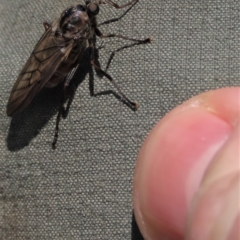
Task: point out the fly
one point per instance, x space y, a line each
58 53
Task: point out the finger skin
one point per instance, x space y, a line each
174 159
216 205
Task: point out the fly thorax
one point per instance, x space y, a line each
75 23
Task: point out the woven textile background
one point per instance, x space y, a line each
82 190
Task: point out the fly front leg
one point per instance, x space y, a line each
133 105
119 6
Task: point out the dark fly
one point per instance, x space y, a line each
58 53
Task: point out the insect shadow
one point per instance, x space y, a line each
27 125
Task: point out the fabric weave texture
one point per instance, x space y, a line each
82 190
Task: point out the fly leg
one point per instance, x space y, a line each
118 50
66 84
136 41
144 41
133 105
119 6
61 108
118 18
62 112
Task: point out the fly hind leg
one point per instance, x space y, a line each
133 105
62 112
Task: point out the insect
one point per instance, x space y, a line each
58 53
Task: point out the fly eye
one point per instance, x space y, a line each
93 8
67 12
81 8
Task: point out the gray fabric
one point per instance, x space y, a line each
82 190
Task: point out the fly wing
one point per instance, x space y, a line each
47 55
